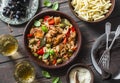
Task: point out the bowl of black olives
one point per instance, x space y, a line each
17 12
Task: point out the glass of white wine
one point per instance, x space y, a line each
8 45
24 72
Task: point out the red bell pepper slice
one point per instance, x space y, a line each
51 22
68 33
46 18
73 29
40 51
54 61
29 35
65 40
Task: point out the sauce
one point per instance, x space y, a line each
83 75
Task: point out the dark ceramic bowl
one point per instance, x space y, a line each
82 66
114 69
106 15
51 13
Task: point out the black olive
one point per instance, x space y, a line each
15 9
17 17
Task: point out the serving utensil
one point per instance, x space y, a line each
76 77
106 53
105 58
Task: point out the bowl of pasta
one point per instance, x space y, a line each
92 10
52 39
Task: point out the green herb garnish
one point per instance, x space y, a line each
44 28
37 23
46 55
47 3
56 80
42 42
46 74
51 52
55 6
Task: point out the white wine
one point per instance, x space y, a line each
24 72
8 45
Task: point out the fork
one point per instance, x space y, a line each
107 32
105 58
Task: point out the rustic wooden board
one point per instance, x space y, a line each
6 73
90 32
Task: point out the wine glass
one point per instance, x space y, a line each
24 72
8 45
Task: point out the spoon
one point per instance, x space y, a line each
76 77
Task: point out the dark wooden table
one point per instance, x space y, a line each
89 34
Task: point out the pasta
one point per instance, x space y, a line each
91 10
53 41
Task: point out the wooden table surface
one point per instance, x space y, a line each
90 32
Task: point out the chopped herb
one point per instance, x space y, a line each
59 81
42 42
47 3
44 28
46 74
46 55
51 52
37 23
55 6
56 80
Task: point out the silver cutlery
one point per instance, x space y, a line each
105 58
76 77
106 52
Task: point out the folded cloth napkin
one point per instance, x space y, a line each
114 58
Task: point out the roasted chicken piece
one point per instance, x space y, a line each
52 32
59 30
58 39
39 34
72 36
57 20
49 40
